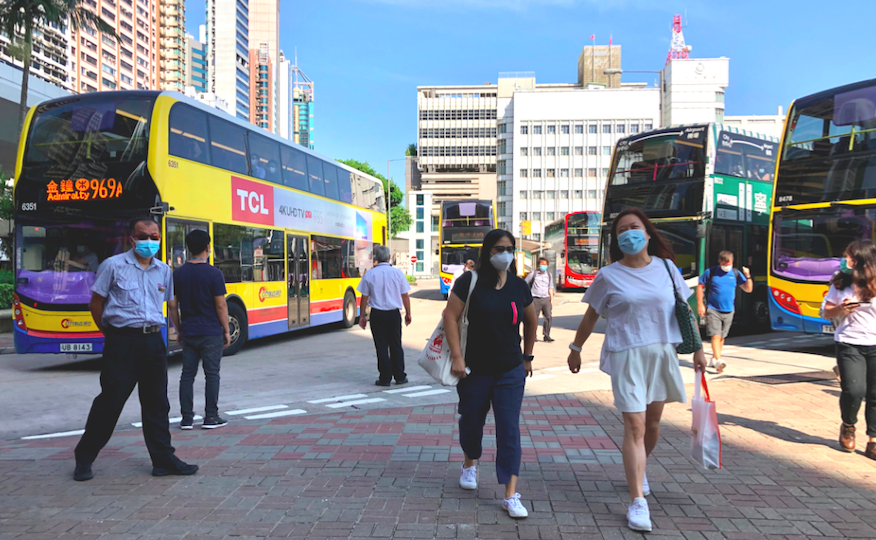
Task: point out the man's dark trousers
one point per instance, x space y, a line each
195 349
543 306
131 358
386 329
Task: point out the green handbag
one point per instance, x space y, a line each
690 334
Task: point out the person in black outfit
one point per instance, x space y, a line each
200 293
493 368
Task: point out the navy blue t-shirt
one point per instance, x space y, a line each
196 286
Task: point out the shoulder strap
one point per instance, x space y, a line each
672 281
474 280
709 281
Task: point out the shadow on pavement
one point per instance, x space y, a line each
427 294
776 430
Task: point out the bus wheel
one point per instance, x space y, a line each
349 309
238 327
760 314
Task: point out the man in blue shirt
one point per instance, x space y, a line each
720 283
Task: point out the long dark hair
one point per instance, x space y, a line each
863 275
488 276
657 246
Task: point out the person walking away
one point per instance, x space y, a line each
492 368
635 293
467 267
200 293
385 288
127 302
542 285
849 299
716 302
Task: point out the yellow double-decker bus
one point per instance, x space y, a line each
825 197
464 223
292 230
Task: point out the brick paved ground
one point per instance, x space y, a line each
393 474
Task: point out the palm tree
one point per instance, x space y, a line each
21 16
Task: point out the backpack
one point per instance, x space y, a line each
712 271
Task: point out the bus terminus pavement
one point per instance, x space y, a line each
707 188
575 239
292 231
825 197
464 223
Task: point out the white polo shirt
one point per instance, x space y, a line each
384 286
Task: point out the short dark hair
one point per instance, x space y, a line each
132 225
545 259
197 241
725 256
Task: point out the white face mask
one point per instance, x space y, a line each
502 261
727 268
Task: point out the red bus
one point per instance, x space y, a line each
575 238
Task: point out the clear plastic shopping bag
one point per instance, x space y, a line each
705 444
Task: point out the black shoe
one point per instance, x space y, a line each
549 339
378 382
403 381
82 472
213 422
179 468
187 423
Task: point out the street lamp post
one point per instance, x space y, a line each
620 71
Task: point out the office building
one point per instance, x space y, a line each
693 90
196 63
261 76
49 56
768 124
423 236
593 63
302 115
171 45
284 97
228 53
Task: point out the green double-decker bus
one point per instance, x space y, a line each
707 188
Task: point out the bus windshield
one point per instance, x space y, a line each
808 245
456 256
582 242
830 148
663 156
84 130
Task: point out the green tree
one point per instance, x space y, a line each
7 205
412 150
19 17
400 218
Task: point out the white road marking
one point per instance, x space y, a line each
558 368
411 389
53 435
255 410
351 403
276 414
540 377
338 398
428 393
171 420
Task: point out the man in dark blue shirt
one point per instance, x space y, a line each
200 293
720 283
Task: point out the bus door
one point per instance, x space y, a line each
728 237
299 281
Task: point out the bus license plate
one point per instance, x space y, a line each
75 347
827 329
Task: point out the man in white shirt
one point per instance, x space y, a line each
469 266
386 288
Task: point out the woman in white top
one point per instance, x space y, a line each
635 293
848 302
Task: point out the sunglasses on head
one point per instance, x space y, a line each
144 236
503 249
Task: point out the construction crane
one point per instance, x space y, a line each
677 49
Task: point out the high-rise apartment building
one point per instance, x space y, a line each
49 54
196 63
228 53
302 115
264 36
171 45
261 76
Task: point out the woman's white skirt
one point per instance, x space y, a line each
645 375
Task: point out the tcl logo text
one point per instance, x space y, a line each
251 201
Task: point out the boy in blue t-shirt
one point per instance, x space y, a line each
721 283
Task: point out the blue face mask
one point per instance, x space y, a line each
146 248
844 266
543 268
632 241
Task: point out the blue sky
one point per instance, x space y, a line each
368 56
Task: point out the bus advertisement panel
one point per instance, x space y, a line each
825 198
292 231
464 223
575 239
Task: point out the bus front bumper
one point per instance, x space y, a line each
35 342
784 320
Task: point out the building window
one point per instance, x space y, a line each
564 150
551 151
579 194
634 128
420 243
649 127
591 128
564 194
536 151
605 172
536 173
591 150
552 130
550 216
606 128
719 116
420 267
420 254
719 97
536 194
579 150
536 130
550 173
524 216
420 213
524 173
536 216
420 199
435 221
524 151
523 194
591 193
550 194
501 208
591 173
564 130
564 173
621 128
579 129
524 130
579 173
420 227
606 150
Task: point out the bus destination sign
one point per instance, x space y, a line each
83 190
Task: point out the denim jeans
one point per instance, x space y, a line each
209 350
857 365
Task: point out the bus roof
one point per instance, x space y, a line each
715 125
831 91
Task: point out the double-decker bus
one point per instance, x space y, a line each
825 197
292 230
575 239
707 188
464 223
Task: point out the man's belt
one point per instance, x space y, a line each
134 330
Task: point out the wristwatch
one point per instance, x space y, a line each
528 357
575 347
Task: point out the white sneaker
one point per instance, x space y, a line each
720 366
646 488
712 362
514 507
638 516
469 477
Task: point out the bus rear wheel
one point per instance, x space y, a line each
238 327
349 309
760 313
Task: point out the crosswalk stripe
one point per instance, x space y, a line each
428 393
276 414
351 403
53 435
540 377
338 398
411 389
255 410
176 420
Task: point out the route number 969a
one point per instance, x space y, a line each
28 207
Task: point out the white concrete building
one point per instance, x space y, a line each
423 237
285 121
210 99
228 49
693 90
768 124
